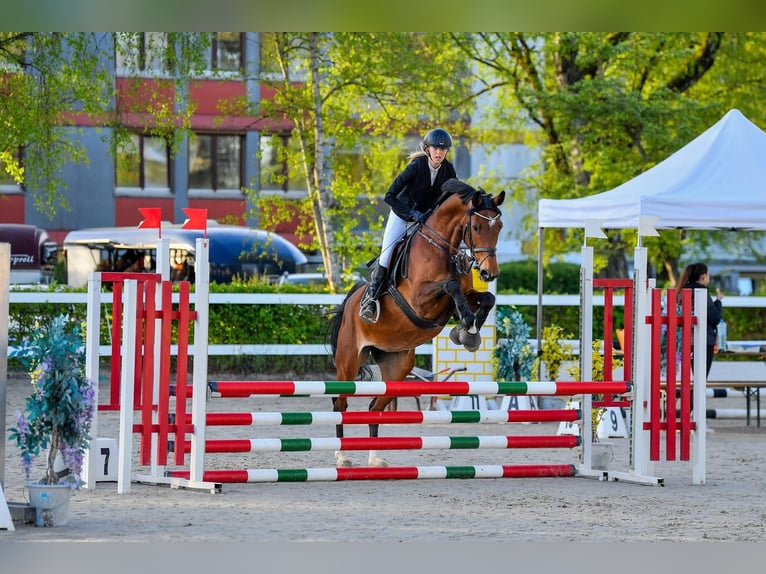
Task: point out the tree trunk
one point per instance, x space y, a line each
322 198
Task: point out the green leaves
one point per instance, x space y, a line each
513 357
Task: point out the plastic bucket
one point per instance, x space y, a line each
51 502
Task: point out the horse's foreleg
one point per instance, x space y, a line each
466 333
467 317
339 405
486 302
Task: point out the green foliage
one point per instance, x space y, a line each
60 408
606 107
597 363
52 74
554 351
520 277
362 94
513 357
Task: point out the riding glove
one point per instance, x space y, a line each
418 216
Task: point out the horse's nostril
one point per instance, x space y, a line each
486 276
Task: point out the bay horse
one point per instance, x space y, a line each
459 235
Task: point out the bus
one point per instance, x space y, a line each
235 251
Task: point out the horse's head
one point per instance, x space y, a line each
483 231
470 216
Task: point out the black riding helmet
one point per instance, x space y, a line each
437 138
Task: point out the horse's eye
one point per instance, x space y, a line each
476 227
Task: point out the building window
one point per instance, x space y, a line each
144 163
142 52
280 164
215 162
227 51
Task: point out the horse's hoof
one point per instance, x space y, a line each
342 461
454 336
469 341
378 462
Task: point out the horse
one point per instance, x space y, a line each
422 296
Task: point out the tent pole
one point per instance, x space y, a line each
539 301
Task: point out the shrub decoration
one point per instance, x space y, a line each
554 352
59 411
513 357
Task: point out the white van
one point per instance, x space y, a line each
234 251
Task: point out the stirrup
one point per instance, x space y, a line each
366 300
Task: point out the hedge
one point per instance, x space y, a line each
308 324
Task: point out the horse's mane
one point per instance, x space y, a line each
454 186
466 192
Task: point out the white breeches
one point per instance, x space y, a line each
395 228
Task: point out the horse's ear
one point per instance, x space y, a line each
477 199
500 198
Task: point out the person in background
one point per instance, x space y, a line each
697 276
411 196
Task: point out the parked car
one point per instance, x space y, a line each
33 254
234 251
310 278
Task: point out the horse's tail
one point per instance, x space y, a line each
336 320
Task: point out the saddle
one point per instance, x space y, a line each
400 262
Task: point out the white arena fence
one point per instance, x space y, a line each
331 300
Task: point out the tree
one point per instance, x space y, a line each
49 80
42 77
348 91
604 107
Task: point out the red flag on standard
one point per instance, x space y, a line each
197 219
152 218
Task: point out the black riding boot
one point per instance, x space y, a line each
368 307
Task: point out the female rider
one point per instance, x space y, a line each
411 196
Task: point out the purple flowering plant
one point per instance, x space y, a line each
59 411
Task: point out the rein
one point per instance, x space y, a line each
456 256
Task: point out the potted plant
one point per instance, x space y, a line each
513 357
57 414
555 352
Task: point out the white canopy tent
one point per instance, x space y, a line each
716 181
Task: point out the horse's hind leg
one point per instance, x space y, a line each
347 362
393 367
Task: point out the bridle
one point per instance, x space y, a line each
468 236
463 262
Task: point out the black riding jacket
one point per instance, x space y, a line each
714 313
412 188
